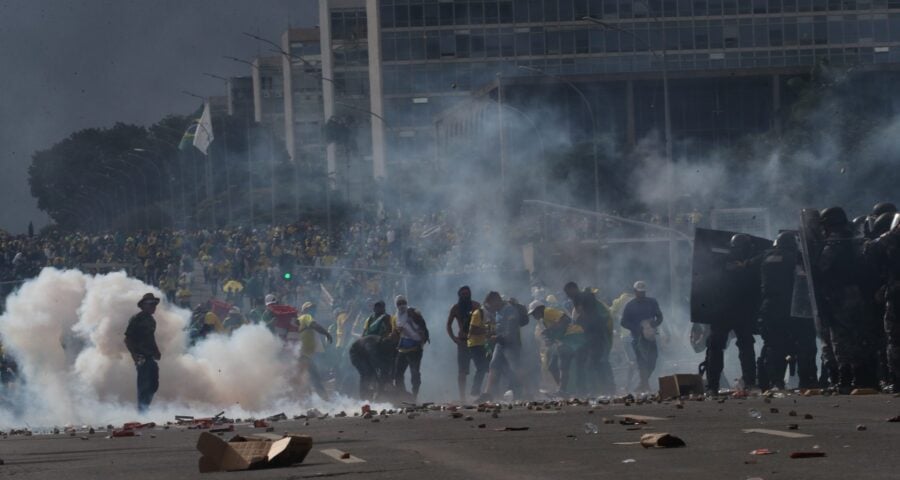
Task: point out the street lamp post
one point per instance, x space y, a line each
159 173
590 110
668 141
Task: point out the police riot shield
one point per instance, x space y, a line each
711 298
811 242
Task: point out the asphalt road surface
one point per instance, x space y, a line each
853 432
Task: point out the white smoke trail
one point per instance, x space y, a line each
66 330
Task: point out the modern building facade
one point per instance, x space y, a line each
268 93
396 73
728 59
304 114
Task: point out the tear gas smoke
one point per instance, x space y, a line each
66 330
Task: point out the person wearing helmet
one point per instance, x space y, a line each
884 253
739 278
842 285
782 334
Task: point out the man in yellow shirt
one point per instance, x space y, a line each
563 336
480 329
309 345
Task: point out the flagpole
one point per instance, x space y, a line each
249 173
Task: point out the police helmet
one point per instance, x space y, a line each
834 217
740 241
786 241
882 224
883 207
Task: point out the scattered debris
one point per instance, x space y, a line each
251 452
763 451
777 433
773 410
861 428
632 421
661 440
894 419
591 428
792 413
864 391
754 413
481 425
793 426
808 416
629 460
511 429
807 454
679 385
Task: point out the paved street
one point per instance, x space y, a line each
435 445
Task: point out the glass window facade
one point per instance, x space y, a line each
437 49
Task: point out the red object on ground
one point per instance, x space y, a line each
762 451
123 433
260 424
131 425
366 409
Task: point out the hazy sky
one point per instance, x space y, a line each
71 64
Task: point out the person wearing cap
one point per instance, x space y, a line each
412 331
565 338
641 317
309 345
140 340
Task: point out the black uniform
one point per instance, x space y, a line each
885 252
783 335
739 280
840 266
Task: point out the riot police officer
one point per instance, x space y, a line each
783 335
884 251
842 279
740 279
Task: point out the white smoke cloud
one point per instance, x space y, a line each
66 330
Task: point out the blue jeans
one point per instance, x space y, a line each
147 383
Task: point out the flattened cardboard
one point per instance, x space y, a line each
679 385
251 452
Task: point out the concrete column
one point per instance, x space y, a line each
776 102
629 114
328 87
376 90
288 95
257 91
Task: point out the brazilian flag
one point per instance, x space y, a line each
187 141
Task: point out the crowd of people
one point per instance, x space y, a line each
326 291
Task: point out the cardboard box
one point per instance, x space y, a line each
251 452
679 385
